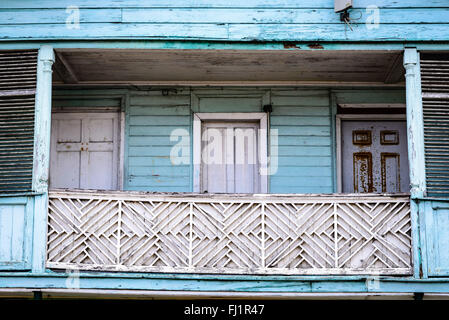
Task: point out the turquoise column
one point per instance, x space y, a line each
41 158
415 136
415 123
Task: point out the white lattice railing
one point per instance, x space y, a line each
261 234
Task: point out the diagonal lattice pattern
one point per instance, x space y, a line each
273 235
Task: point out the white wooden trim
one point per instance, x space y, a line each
121 160
338 136
263 153
338 153
233 116
196 153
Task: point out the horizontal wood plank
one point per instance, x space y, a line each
215 3
231 32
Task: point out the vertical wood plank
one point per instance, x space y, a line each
42 127
415 124
5 233
334 141
416 252
196 153
17 233
42 154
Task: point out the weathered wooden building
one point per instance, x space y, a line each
329 172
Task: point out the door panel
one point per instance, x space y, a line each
84 150
246 173
390 168
434 217
363 172
374 157
229 158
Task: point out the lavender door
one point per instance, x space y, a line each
374 157
84 151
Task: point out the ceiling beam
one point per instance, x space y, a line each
396 71
235 83
65 70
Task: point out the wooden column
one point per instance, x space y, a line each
41 159
415 123
415 136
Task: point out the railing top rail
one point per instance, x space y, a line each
200 197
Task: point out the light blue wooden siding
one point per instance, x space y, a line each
434 224
366 96
151 117
303 121
15 233
63 101
302 117
230 20
230 100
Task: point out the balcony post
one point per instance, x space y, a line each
415 136
41 157
415 123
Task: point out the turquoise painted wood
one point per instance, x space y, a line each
302 120
396 96
302 117
329 4
259 20
41 157
62 101
220 45
223 283
42 118
16 221
417 252
151 118
415 123
436 225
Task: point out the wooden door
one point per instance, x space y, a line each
84 151
374 157
230 157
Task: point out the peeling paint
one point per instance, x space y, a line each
315 46
291 45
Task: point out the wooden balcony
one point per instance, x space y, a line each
229 234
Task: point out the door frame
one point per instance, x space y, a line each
120 142
338 136
261 117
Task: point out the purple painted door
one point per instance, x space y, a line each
374 157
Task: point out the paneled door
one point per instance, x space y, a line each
229 157
84 151
374 157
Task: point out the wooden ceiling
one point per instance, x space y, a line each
190 67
